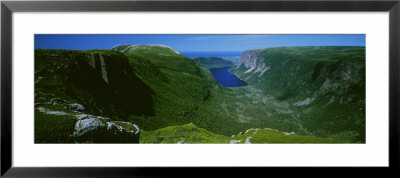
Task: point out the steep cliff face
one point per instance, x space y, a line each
292 73
87 96
102 81
326 85
252 62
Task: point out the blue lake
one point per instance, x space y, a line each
226 79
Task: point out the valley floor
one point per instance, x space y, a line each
232 112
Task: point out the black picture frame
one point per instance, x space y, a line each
8 7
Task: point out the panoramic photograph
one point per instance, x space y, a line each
199 88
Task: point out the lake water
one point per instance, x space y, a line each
227 79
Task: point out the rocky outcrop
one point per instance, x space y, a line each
49 111
234 141
182 142
76 107
102 130
307 101
250 59
252 62
248 140
84 126
97 129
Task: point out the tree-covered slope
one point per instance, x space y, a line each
212 62
177 82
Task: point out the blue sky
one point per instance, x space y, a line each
192 43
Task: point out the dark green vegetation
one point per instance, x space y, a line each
213 62
102 81
53 128
324 87
80 85
113 92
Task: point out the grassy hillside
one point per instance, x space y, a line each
189 133
212 62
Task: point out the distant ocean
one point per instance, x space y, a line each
228 55
212 54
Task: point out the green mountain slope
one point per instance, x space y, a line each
186 93
189 94
212 62
113 95
324 85
177 82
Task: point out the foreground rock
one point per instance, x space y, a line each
97 129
